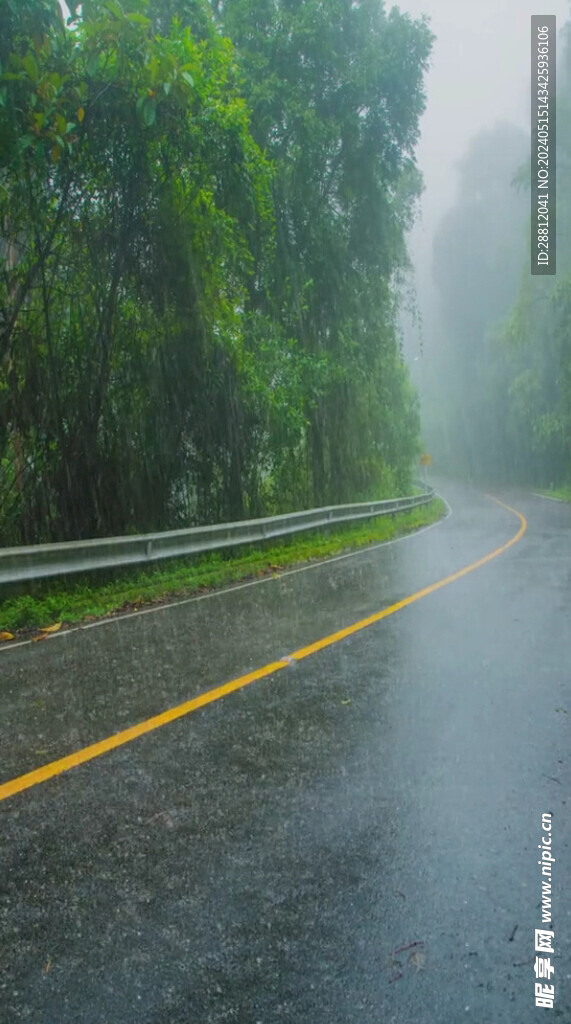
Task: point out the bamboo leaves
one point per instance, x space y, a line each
199 226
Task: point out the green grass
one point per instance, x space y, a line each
563 493
87 598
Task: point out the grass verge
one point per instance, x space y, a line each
84 599
563 493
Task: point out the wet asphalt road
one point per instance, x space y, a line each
261 860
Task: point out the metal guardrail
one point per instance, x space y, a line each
42 560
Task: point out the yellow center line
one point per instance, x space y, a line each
119 739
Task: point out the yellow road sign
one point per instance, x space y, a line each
426 459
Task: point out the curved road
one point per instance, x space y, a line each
351 838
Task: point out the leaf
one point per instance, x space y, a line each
114 7
396 977
51 629
417 961
139 19
409 945
5 635
80 114
188 78
93 64
31 66
149 111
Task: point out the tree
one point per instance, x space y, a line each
335 91
127 194
200 243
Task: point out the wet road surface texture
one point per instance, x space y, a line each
351 840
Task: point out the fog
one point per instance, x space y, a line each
479 80
479 75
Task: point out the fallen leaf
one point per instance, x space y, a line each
161 816
409 945
417 961
40 636
51 629
5 635
396 977
47 966
346 701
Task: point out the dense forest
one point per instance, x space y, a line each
203 211
498 375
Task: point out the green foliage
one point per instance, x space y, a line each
335 91
199 240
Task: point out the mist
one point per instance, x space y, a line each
477 88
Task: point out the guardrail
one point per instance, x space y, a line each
42 560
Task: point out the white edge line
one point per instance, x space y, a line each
239 586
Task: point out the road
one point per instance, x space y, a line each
351 838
